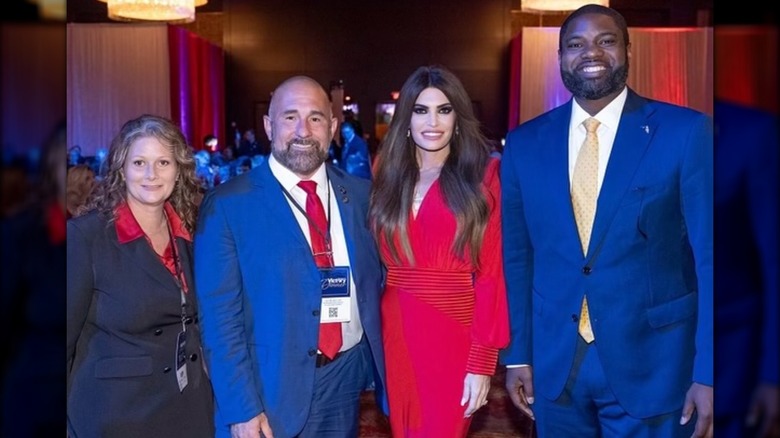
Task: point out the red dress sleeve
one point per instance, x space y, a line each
490 325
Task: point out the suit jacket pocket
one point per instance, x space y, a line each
638 193
672 311
113 367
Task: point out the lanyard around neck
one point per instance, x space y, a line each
324 233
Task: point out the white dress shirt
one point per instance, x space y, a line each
609 118
351 331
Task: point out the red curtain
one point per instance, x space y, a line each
515 61
746 65
197 86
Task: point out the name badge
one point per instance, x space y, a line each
334 283
181 360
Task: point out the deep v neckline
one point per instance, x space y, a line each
422 201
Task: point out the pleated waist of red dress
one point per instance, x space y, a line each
426 278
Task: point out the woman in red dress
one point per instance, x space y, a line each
435 212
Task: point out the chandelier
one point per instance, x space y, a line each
542 6
171 11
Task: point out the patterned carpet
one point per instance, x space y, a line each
498 419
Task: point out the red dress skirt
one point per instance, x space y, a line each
442 318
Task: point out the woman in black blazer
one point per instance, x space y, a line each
135 365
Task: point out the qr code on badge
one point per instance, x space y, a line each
333 312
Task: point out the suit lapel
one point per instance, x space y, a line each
346 210
633 137
274 198
556 157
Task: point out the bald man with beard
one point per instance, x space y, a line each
260 275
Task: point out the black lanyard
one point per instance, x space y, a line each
178 277
326 233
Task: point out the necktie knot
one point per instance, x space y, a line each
310 187
591 125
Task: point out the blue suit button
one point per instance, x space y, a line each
312 352
587 270
315 312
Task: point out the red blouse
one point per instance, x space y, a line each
128 230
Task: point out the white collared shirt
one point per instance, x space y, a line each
351 331
609 118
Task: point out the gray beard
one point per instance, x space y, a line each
593 90
300 162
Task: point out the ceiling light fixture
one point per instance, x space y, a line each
542 6
171 11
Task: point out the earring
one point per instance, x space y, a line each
408 133
457 130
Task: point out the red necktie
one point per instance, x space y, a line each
330 333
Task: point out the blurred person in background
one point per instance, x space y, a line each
248 146
747 399
74 156
80 182
133 338
211 143
355 158
32 301
13 186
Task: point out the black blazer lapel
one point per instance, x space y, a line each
144 257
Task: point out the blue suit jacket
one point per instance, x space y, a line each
258 289
648 274
746 243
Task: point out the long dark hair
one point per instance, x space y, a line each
397 170
112 191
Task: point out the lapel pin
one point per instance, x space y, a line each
646 129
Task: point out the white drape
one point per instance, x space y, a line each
115 72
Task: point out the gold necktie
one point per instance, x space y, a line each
584 193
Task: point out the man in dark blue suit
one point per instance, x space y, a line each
274 276
746 253
607 219
355 158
